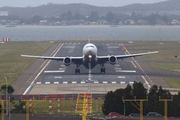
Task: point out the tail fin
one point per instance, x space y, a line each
89 40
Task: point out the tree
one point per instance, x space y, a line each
107 106
19 108
36 19
174 106
110 17
113 100
94 16
139 91
69 15
10 89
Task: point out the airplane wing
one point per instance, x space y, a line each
74 59
106 58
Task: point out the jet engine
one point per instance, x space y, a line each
67 61
112 60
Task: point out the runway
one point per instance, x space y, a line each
56 74
52 77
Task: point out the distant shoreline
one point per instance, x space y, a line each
89 25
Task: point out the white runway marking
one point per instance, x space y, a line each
118 68
122 82
131 82
62 68
105 82
117 65
32 83
121 77
38 83
73 82
58 77
113 82
47 83
96 82
146 82
55 71
133 64
129 71
110 52
65 82
56 82
71 51
83 82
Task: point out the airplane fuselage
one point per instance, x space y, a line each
90 56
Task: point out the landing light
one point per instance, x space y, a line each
89 56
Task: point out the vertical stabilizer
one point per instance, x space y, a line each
89 40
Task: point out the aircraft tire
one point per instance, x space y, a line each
77 71
103 70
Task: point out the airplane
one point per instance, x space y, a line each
90 58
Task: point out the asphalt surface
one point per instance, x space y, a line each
52 77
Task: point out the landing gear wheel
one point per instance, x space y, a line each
77 71
103 70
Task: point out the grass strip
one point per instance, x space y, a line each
173 82
12 64
168 57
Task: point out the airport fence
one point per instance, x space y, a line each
52 104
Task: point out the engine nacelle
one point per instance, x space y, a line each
112 60
67 61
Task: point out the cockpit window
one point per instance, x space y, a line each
89 46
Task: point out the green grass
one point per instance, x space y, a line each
12 64
65 106
173 82
165 59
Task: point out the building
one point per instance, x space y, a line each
129 22
175 22
4 13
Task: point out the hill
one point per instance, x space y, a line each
84 9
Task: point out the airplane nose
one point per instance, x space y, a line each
90 51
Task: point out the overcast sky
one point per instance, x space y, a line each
25 3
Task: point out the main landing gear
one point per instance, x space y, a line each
77 70
103 70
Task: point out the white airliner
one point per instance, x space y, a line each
90 58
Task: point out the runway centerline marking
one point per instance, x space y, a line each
57 77
121 77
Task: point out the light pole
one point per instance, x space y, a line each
9 118
6 97
124 106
